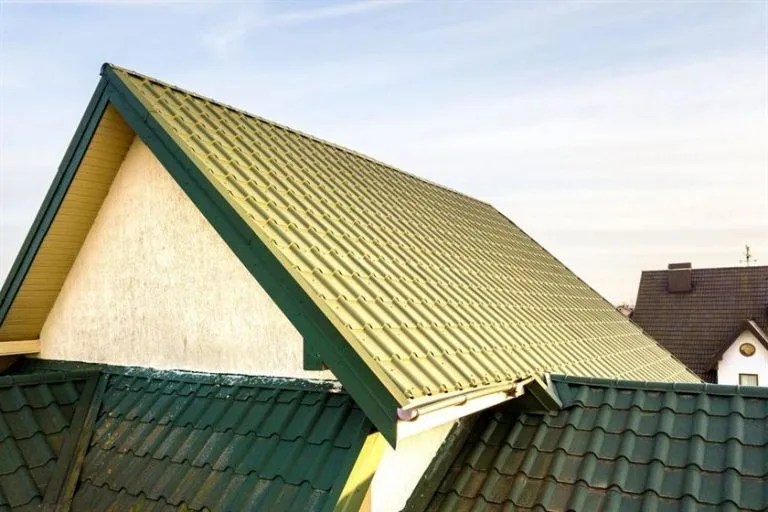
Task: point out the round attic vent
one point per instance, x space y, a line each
747 349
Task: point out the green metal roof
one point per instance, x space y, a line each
409 292
618 445
183 441
36 412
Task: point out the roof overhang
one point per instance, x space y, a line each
532 394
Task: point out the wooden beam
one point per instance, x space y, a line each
12 348
358 482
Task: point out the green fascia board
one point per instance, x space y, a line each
311 359
358 379
53 199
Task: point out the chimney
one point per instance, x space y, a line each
679 278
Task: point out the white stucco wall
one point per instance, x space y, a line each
733 363
400 470
155 285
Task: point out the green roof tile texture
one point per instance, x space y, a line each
618 445
439 292
35 415
192 443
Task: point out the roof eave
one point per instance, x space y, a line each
54 197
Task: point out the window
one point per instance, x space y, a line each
747 379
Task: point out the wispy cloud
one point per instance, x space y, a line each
225 36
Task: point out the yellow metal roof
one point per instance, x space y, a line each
435 291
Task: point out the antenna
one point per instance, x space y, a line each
749 258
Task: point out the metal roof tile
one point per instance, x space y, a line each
617 445
404 269
35 414
229 447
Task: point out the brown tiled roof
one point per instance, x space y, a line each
694 326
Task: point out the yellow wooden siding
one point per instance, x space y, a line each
359 482
70 226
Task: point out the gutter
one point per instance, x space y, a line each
427 414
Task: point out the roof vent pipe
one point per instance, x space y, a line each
679 278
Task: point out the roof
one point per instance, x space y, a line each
408 291
695 325
617 445
35 417
185 441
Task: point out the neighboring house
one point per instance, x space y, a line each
713 319
615 445
184 234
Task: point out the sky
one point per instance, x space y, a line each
622 136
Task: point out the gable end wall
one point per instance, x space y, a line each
155 285
733 362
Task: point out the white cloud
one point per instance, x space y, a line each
224 37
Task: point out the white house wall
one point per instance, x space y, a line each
155 285
400 470
733 363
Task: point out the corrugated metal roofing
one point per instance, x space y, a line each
435 291
618 445
35 416
695 325
164 440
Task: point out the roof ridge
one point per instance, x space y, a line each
290 129
679 387
75 370
732 267
225 379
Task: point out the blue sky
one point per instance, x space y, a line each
621 135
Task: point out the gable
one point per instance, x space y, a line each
417 297
155 285
730 362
